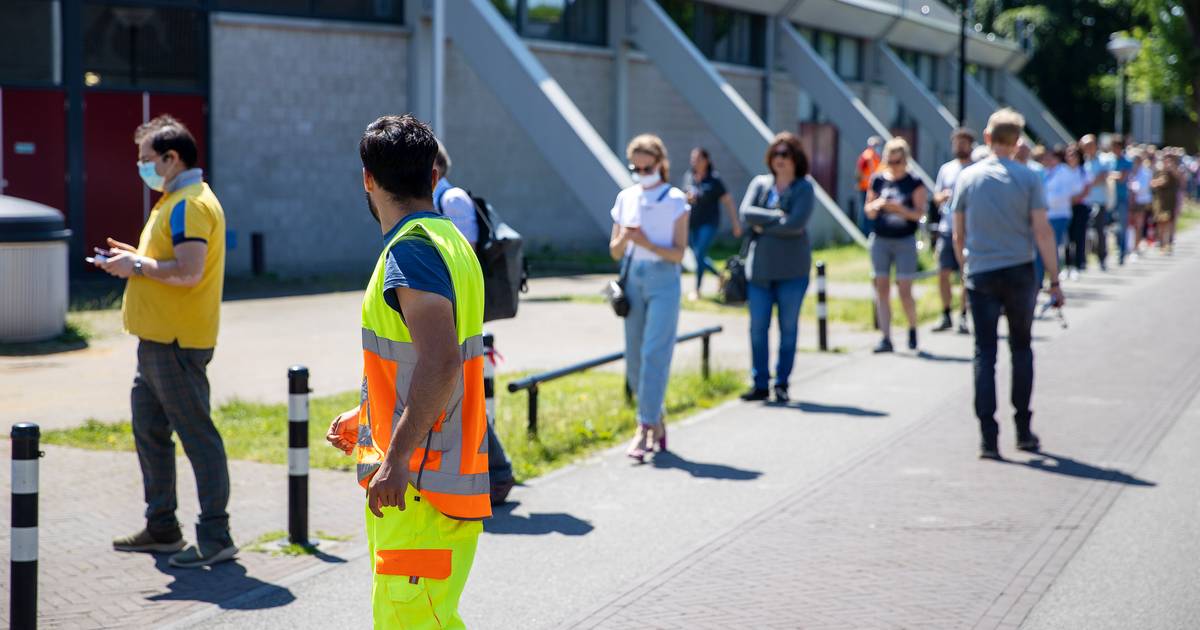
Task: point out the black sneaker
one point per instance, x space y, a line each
945 325
153 542
500 490
885 345
781 394
989 451
962 325
755 395
1030 443
912 338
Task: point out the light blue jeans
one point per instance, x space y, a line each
650 329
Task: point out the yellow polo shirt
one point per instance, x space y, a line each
160 312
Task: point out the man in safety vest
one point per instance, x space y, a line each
419 431
868 163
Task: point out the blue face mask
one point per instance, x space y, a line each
153 180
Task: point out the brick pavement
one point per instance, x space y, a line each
88 497
915 533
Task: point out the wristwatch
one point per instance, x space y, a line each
1054 284
137 267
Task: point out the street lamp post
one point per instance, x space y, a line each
962 62
1124 49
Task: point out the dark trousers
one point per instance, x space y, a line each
499 466
171 394
1077 236
1099 214
1009 290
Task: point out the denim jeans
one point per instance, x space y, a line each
700 238
788 295
1009 290
1060 239
499 465
1121 212
650 328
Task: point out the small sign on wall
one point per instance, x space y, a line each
24 148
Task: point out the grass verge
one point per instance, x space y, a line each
266 544
577 415
75 336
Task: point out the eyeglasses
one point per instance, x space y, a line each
642 170
782 152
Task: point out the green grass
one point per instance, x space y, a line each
578 414
75 336
1189 218
847 263
263 544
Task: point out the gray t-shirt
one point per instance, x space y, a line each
998 197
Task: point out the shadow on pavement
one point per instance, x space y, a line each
503 521
225 585
942 358
1063 465
667 459
844 410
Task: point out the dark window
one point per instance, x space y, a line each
28 43
143 47
391 11
724 35
577 21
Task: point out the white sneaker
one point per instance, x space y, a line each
1073 274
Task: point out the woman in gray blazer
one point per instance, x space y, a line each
777 208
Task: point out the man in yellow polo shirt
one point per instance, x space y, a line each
172 304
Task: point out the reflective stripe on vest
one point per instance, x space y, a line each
450 467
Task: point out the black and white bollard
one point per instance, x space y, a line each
298 455
24 574
489 376
822 309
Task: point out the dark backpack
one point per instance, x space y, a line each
501 256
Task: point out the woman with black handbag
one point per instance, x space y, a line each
777 208
649 237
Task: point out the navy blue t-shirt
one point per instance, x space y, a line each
415 263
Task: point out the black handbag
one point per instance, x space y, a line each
617 298
733 280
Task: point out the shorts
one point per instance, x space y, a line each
887 252
946 259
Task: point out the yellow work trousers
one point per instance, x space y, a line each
420 559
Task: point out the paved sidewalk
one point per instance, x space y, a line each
861 506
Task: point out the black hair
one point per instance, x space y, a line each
398 151
168 134
707 158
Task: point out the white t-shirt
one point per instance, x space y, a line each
1139 184
655 210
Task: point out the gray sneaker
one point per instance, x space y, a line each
146 541
202 555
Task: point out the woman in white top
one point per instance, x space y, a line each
1063 184
649 235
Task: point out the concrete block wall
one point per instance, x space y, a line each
289 101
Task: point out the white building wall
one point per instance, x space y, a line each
290 99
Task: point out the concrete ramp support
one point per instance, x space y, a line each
725 112
932 117
853 118
1038 118
539 105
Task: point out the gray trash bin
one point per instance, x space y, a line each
33 271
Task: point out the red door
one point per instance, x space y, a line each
115 200
33 159
821 142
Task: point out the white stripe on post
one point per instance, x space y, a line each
25 476
298 407
297 461
24 544
822 310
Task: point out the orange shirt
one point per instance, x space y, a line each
868 163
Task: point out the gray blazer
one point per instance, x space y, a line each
782 251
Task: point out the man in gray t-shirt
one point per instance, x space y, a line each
999 214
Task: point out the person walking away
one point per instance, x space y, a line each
1120 175
894 202
1165 185
649 236
456 204
962 141
419 434
999 219
777 207
1076 256
1097 168
866 167
172 304
1061 186
705 192
1141 197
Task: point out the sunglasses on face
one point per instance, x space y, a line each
783 153
642 170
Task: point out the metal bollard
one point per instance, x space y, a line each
298 455
822 309
22 612
489 376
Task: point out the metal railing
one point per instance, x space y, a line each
531 383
